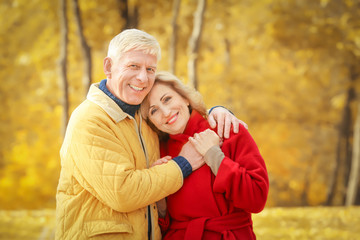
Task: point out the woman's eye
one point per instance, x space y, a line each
153 111
167 99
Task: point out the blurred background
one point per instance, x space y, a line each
288 68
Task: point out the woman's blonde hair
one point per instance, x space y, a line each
133 39
194 97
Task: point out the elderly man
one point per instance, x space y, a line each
107 189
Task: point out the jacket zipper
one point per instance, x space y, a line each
138 130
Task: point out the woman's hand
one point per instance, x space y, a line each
204 141
161 161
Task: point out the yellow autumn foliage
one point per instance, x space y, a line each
282 66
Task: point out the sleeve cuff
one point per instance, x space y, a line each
216 107
184 165
213 158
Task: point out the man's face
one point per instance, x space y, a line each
132 76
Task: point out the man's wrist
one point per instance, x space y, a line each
184 165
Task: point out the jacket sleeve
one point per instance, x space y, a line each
105 167
242 175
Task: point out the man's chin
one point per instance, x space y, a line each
135 101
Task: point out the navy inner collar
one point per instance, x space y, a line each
127 108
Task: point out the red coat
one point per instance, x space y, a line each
217 207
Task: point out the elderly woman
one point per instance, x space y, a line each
217 200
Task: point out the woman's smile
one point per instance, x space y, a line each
173 119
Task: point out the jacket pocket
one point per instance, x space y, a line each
99 227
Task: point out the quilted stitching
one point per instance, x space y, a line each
98 157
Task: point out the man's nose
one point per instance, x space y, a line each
142 75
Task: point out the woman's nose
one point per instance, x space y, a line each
166 111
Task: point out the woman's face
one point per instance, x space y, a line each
168 110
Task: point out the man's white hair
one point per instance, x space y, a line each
133 39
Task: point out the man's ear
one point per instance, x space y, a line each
107 67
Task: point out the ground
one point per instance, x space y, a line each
320 223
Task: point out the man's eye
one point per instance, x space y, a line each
152 70
133 66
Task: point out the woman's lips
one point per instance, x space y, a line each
172 119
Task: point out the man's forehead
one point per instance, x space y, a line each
139 57
139 54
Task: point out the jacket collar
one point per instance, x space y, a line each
98 97
128 108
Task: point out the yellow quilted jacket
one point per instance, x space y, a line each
105 184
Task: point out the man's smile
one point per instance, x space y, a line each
136 88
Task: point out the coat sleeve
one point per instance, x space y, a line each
104 167
164 223
242 176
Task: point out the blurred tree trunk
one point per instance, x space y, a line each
355 165
227 53
84 48
307 182
129 13
348 165
339 179
227 70
194 42
173 40
62 64
357 197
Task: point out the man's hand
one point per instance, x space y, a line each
224 119
195 159
204 141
